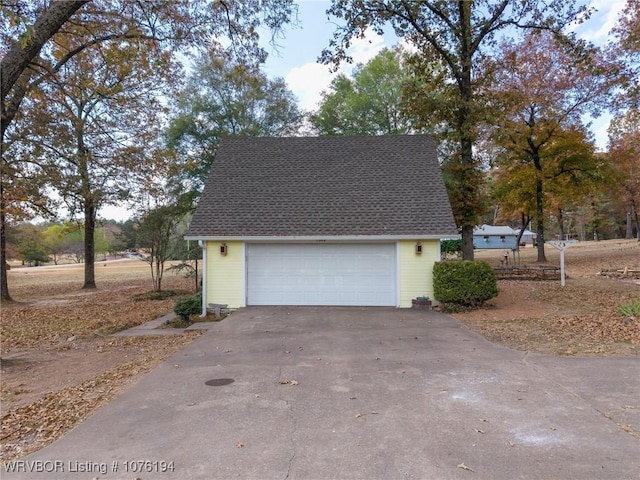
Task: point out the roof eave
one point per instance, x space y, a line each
319 238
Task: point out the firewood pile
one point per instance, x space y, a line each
625 272
526 272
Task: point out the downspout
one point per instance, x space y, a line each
203 246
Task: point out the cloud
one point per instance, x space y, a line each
307 82
598 28
364 49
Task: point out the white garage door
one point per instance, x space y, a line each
321 274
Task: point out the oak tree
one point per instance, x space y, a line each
542 92
96 123
624 156
627 49
458 33
31 27
31 31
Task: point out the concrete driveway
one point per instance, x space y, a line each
366 393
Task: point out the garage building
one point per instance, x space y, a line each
322 221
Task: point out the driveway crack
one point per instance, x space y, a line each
294 429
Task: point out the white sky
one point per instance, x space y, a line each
295 58
296 54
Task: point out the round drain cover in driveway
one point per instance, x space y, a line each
219 382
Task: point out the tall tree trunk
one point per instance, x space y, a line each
4 286
468 178
89 204
467 242
637 220
629 225
89 244
540 220
469 193
561 224
539 215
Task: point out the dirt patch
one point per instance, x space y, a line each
27 375
48 393
579 319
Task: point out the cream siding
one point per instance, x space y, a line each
416 271
226 274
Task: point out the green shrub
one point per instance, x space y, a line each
464 283
188 306
451 248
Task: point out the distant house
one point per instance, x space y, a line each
527 237
322 221
495 237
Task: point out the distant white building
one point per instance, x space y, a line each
528 237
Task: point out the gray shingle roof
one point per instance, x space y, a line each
324 186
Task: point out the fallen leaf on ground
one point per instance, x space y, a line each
288 382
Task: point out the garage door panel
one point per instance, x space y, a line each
321 274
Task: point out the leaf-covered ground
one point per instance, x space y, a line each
47 414
59 361
51 307
580 318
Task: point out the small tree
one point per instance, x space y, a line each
542 91
156 233
451 248
53 239
30 245
188 253
73 241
